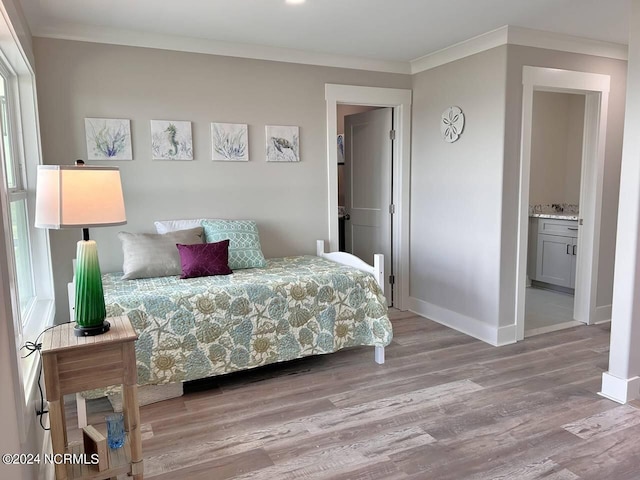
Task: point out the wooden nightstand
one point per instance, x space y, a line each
74 364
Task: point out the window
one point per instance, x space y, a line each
27 251
17 194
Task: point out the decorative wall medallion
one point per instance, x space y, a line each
452 124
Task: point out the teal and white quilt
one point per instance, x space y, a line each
295 307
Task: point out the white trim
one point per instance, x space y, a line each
621 390
510 35
505 35
400 100
528 37
486 41
596 89
469 326
505 335
46 471
115 36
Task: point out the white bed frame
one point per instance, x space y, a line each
377 270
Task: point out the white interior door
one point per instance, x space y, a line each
368 180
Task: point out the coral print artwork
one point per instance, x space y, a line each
171 140
108 139
229 142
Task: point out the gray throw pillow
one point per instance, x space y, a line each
149 255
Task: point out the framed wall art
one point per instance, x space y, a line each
229 142
108 138
171 140
283 143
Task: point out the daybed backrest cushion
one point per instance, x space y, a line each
205 259
244 245
149 255
166 226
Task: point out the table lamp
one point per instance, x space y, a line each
79 196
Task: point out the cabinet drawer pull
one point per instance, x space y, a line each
568 246
574 249
572 228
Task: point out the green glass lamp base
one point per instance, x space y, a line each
91 331
90 311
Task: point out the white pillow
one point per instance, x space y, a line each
166 226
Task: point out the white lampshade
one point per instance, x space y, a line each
79 197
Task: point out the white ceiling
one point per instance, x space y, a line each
382 30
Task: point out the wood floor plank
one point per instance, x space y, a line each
373 444
545 469
604 423
377 471
233 466
444 406
613 456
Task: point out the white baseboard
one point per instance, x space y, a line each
603 314
46 470
495 336
621 390
506 335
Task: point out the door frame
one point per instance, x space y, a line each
400 100
595 88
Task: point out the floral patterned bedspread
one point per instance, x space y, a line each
295 307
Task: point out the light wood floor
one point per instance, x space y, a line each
443 406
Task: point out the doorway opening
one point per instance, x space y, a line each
399 101
566 250
557 134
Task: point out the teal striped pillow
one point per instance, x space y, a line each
244 241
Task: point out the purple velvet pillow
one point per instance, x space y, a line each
204 259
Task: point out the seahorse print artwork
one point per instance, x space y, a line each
283 144
171 130
171 140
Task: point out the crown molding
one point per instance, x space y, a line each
457 51
506 35
566 43
66 31
510 35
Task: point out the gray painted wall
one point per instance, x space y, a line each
556 148
289 201
464 195
456 191
464 198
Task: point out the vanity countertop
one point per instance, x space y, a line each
557 215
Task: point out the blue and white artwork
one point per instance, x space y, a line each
283 143
171 140
108 138
229 142
341 149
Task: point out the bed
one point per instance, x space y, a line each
295 307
